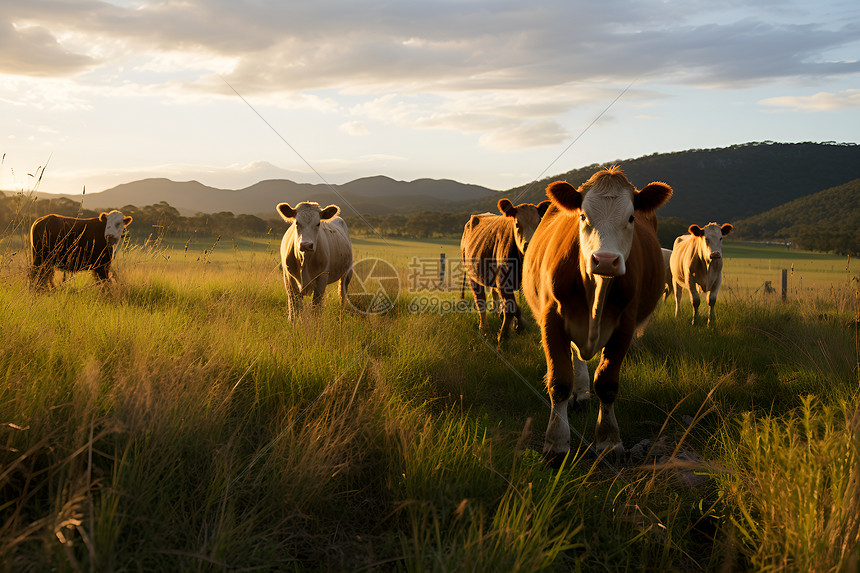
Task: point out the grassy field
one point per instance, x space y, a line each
177 422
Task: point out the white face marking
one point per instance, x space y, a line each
307 226
606 229
114 227
713 241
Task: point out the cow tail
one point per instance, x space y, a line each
463 283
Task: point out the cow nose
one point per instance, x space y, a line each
111 240
716 255
606 264
306 246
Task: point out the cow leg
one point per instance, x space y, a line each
319 291
581 384
510 311
102 275
497 301
41 276
712 302
560 383
481 303
679 290
607 435
343 287
694 300
294 296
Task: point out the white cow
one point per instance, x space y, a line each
667 257
697 265
315 252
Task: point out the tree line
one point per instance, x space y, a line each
827 221
18 211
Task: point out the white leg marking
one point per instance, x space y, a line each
557 439
608 435
581 380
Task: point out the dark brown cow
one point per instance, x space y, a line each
593 273
492 248
72 245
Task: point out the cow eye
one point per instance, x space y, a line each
631 219
583 218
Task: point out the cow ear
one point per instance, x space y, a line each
126 221
329 212
726 229
286 212
696 230
651 197
543 206
103 217
564 195
507 208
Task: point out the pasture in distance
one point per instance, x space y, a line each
178 422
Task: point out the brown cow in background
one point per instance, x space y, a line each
593 273
72 245
492 248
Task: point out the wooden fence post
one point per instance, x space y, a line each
784 283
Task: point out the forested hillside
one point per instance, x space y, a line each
770 191
724 185
825 221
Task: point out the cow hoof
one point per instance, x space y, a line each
582 406
553 460
612 451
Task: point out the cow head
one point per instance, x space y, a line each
712 238
526 219
306 217
606 206
115 224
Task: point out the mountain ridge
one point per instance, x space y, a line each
720 184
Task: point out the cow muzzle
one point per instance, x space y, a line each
111 240
306 246
607 264
716 255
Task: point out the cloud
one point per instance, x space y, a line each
369 47
822 101
31 50
507 71
525 134
354 128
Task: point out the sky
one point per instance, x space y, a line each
496 93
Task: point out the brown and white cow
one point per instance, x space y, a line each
315 252
697 265
492 248
71 245
593 273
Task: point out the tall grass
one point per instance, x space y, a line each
795 488
176 421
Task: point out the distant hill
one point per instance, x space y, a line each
825 221
370 195
722 185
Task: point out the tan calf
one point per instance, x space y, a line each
697 266
315 252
